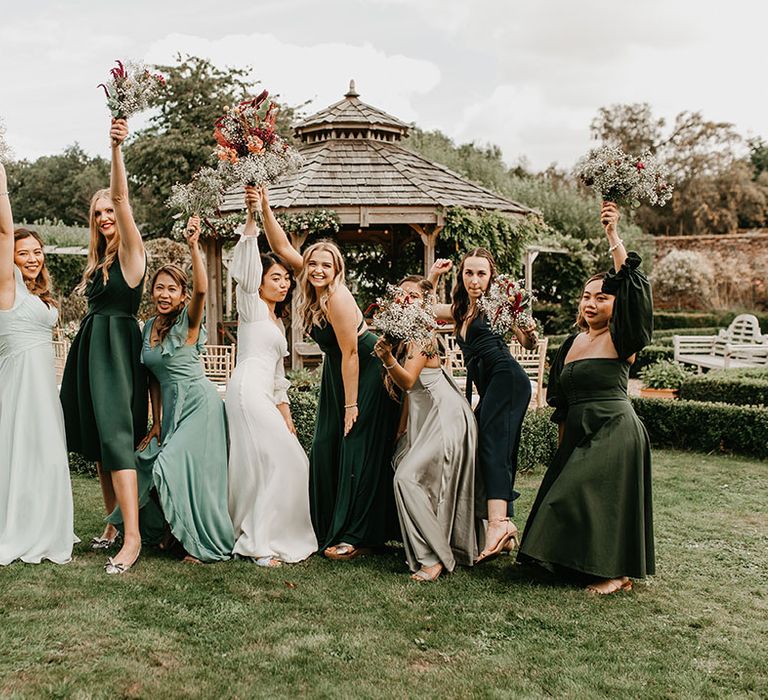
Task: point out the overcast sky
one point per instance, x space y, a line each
527 75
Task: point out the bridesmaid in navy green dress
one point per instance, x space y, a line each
593 514
104 387
182 461
351 495
503 387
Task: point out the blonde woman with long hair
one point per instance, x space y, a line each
35 491
351 498
104 388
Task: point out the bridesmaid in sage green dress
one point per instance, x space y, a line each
183 458
593 513
104 387
182 462
351 499
435 459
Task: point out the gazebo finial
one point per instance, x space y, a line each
352 92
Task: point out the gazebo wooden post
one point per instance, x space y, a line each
214 315
297 334
429 239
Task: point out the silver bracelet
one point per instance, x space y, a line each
390 366
4 194
351 405
615 245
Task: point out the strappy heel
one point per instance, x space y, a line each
508 542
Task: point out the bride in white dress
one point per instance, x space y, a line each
35 490
268 469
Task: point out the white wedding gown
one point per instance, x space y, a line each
268 469
35 490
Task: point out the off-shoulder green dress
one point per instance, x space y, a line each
593 513
183 480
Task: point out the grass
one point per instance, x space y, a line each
362 629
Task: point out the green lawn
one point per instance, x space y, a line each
362 629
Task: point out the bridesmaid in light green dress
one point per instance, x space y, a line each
182 462
35 491
435 460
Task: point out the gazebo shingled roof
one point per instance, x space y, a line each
355 165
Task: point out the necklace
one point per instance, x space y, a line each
597 335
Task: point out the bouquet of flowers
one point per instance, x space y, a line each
131 88
401 319
202 196
249 149
506 304
5 149
625 179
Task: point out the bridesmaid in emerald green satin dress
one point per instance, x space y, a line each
351 495
593 514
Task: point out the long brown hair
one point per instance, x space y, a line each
400 351
180 277
41 285
268 261
581 322
101 254
459 295
313 309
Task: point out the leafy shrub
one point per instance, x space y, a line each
538 442
66 271
663 374
80 465
705 427
663 320
303 395
648 355
740 387
684 278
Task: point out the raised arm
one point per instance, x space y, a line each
277 238
199 280
609 218
7 279
131 251
440 267
343 314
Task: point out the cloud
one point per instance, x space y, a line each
319 72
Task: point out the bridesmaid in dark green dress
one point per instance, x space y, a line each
592 516
351 497
104 389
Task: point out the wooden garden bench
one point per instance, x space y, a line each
738 346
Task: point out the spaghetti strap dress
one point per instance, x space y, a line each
505 392
350 478
35 490
104 387
593 512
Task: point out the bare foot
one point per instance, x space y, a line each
428 573
189 559
610 585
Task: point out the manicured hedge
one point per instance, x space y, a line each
744 388
705 427
681 319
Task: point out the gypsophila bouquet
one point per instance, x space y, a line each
131 89
250 151
202 197
5 149
625 179
400 318
506 304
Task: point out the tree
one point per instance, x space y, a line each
631 127
56 187
179 139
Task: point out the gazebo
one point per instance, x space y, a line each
356 165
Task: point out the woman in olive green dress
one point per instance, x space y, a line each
182 462
592 516
351 497
104 390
